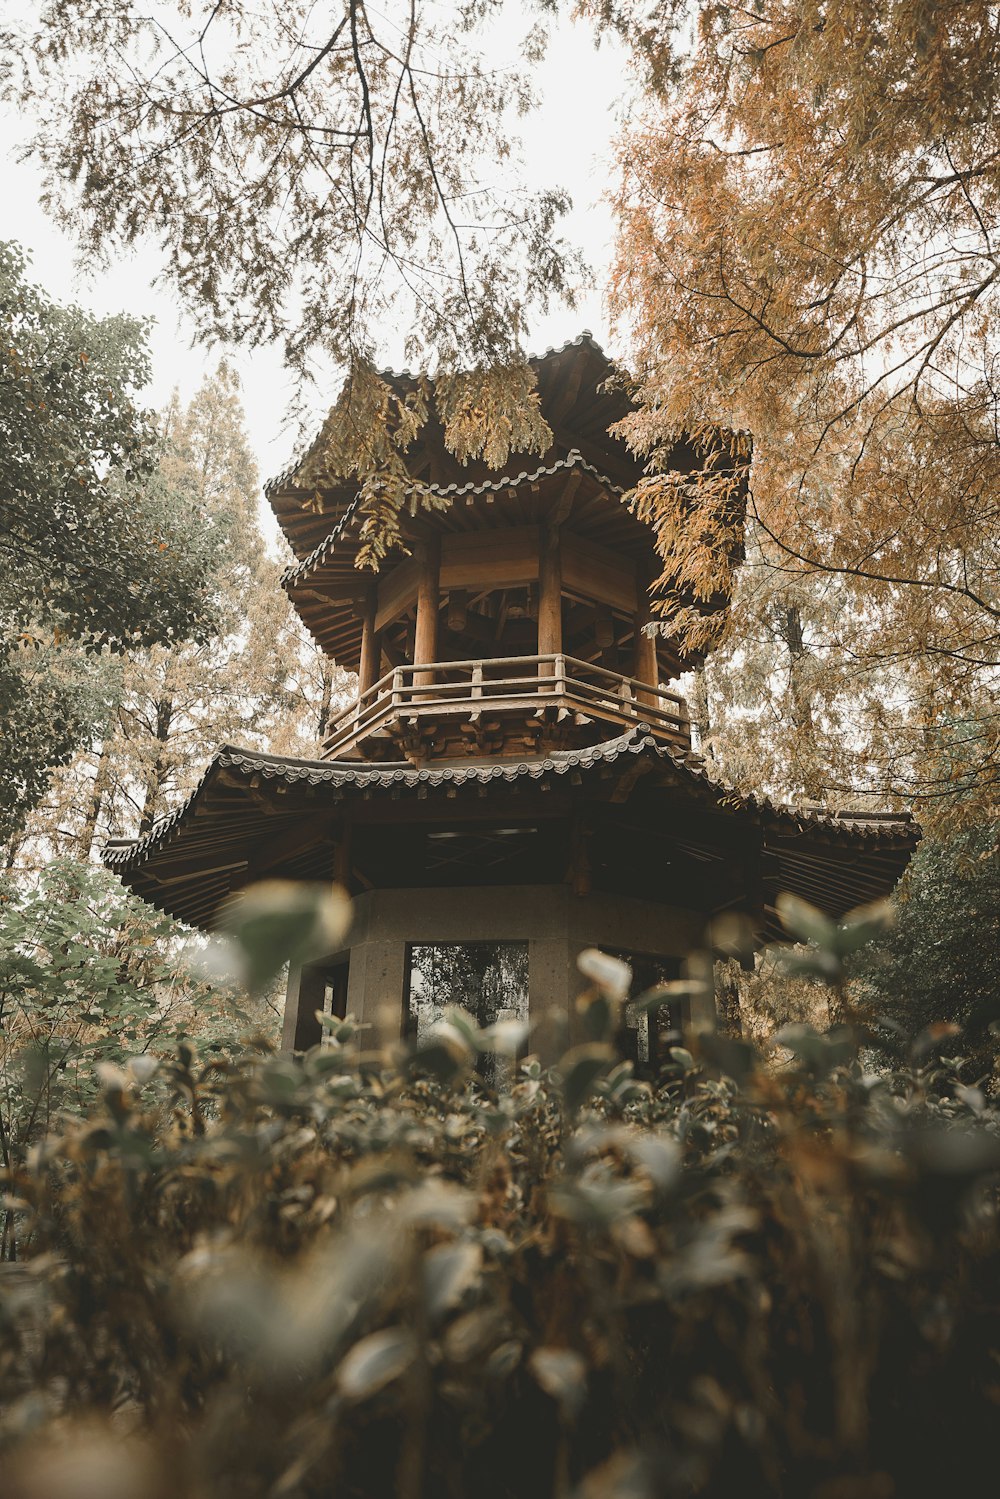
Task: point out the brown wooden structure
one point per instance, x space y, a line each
515 767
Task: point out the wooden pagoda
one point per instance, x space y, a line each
515 777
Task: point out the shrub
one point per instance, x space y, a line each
941 962
362 1275
90 975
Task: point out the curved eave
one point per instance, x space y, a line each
325 588
348 523
193 861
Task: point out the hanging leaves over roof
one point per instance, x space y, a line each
377 420
312 172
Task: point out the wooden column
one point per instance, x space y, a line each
550 639
303 997
371 646
644 665
428 554
342 854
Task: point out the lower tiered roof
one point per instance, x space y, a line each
647 817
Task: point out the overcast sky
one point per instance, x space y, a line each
569 143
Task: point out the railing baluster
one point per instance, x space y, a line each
467 686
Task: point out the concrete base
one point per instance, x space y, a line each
556 924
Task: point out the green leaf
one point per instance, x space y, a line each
580 1069
284 921
375 1362
864 925
806 923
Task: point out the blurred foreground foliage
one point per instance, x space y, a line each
361 1273
91 977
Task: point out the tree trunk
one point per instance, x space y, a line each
727 998
700 713
98 787
801 694
13 849
326 698
158 772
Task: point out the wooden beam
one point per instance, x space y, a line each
564 504
626 782
309 830
396 592
526 805
594 573
580 872
505 557
567 392
343 854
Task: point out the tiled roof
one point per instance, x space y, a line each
573 460
400 377
404 776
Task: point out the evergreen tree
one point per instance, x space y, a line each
95 551
254 679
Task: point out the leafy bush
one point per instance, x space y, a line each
89 975
941 961
355 1274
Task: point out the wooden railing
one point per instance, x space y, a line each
509 685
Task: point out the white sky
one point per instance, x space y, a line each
568 143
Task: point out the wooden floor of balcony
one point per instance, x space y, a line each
514 705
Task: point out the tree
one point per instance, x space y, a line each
783 705
91 975
91 548
808 252
311 172
94 551
940 962
249 679
315 178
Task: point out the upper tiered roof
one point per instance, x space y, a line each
582 394
580 399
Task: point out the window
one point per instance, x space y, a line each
646 1037
488 979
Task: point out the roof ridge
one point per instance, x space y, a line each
637 739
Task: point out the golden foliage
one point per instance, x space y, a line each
377 418
490 414
807 252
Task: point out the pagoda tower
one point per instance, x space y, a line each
515 779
